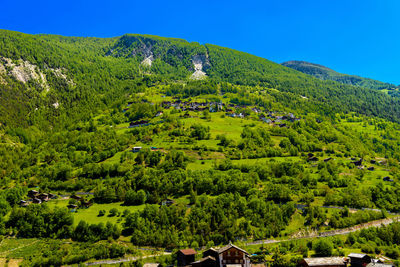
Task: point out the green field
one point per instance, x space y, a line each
90 214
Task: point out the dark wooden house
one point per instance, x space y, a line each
33 193
23 203
185 256
387 179
312 159
358 162
211 252
43 197
36 201
72 206
76 197
208 261
359 259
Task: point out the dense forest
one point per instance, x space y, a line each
144 141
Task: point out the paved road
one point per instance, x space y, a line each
377 223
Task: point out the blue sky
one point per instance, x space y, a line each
351 36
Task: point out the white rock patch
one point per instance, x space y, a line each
148 61
198 73
24 71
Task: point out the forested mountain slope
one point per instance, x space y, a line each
85 75
324 73
110 144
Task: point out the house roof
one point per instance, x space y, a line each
204 259
326 261
357 255
188 251
373 264
221 250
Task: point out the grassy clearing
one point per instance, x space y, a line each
90 215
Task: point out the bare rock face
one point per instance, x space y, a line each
148 61
145 51
200 63
24 71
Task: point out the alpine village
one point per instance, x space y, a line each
141 150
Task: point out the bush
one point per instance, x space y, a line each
113 212
323 248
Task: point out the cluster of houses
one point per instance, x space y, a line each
274 118
36 198
233 256
230 110
196 106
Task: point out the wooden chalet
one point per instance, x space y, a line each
211 252
312 159
323 262
185 256
76 197
36 201
72 206
233 256
167 202
23 203
387 179
86 204
43 197
208 261
136 149
359 259
358 162
33 193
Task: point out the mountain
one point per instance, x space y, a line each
154 142
44 74
324 73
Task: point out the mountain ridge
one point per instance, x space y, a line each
102 70
325 73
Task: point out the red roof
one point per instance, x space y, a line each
188 251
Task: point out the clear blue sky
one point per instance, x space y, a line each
359 37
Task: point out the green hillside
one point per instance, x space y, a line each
324 73
164 144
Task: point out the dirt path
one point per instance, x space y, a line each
344 231
124 260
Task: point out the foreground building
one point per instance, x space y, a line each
228 256
324 262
